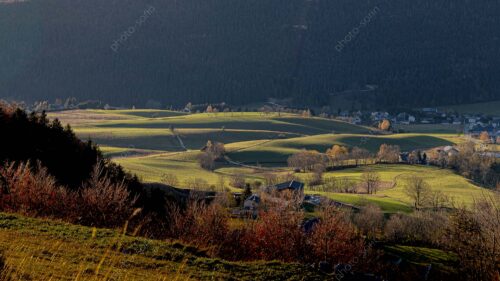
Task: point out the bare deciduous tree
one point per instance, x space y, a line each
371 181
305 160
360 155
418 190
370 220
474 236
388 153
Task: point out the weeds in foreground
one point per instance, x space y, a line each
32 258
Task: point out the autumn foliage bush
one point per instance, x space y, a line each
200 224
277 234
29 189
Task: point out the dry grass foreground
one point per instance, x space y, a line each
36 249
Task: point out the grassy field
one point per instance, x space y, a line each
38 249
164 139
81 116
444 261
243 121
184 166
146 142
279 150
137 129
457 188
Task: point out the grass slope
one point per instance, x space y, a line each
184 166
137 129
38 249
244 121
280 150
143 142
459 189
164 139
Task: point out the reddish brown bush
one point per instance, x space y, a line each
276 235
200 224
104 203
334 239
30 190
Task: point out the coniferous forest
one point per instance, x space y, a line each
417 53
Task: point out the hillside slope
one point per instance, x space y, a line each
137 130
38 249
237 51
279 150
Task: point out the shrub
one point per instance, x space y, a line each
32 191
276 235
420 228
104 203
370 220
207 161
473 235
334 239
200 224
237 181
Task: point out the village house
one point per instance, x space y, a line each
404 118
252 202
430 110
293 186
379 116
456 121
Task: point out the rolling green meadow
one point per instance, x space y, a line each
152 143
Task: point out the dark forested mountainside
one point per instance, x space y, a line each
423 52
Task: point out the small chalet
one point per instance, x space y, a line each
292 185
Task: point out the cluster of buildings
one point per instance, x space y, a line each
283 193
423 116
475 125
471 124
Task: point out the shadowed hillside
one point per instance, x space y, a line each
238 51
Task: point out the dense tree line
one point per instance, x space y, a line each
46 167
33 137
421 52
